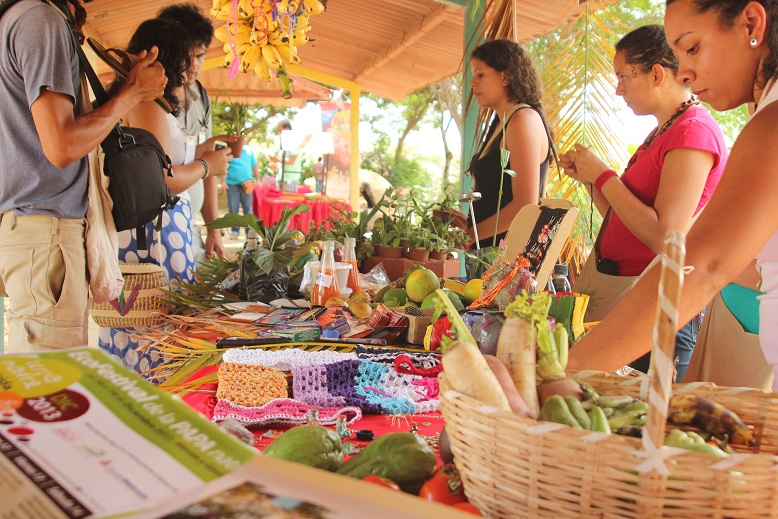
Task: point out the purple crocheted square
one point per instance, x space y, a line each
341 381
309 385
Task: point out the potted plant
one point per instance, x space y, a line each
420 243
269 275
386 239
235 122
438 247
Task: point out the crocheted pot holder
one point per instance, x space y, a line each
285 359
251 386
282 411
423 360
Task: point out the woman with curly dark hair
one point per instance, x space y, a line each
505 81
171 245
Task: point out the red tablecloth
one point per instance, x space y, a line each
269 203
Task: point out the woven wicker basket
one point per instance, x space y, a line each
148 309
516 467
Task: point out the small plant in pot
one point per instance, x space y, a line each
265 273
420 244
386 240
438 247
235 122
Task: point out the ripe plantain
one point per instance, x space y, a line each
223 13
248 59
710 417
245 9
288 54
258 38
300 37
224 33
262 70
272 57
240 48
315 6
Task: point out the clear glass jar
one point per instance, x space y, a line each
559 279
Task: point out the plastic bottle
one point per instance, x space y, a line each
326 285
248 269
350 257
559 278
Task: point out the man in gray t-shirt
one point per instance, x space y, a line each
43 180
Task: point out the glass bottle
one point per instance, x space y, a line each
326 285
559 278
313 417
341 427
350 257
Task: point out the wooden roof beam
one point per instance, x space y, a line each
427 24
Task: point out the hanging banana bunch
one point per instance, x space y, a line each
263 35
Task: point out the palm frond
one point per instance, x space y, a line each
579 98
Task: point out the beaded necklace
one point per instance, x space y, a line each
659 131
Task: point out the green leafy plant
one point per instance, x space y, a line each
384 233
274 253
236 118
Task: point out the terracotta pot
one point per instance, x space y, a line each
418 254
237 146
390 252
438 254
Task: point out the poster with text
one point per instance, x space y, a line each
336 119
81 436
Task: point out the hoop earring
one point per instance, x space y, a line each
753 42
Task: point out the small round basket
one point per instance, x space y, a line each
148 309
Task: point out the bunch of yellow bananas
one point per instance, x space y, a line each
260 42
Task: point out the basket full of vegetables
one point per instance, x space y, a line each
530 440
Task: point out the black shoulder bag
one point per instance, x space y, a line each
137 166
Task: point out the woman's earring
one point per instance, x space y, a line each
754 42
505 84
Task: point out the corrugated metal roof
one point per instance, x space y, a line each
390 47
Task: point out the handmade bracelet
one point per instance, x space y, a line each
205 165
603 178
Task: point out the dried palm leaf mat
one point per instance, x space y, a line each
516 467
187 347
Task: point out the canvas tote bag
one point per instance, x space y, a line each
726 354
604 290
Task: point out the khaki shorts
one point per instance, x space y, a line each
43 273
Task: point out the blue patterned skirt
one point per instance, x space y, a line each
170 247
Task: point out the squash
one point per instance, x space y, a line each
403 457
311 445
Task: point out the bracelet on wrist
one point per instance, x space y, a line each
603 178
205 165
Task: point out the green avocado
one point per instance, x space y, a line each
379 296
310 445
405 458
429 301
395 295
